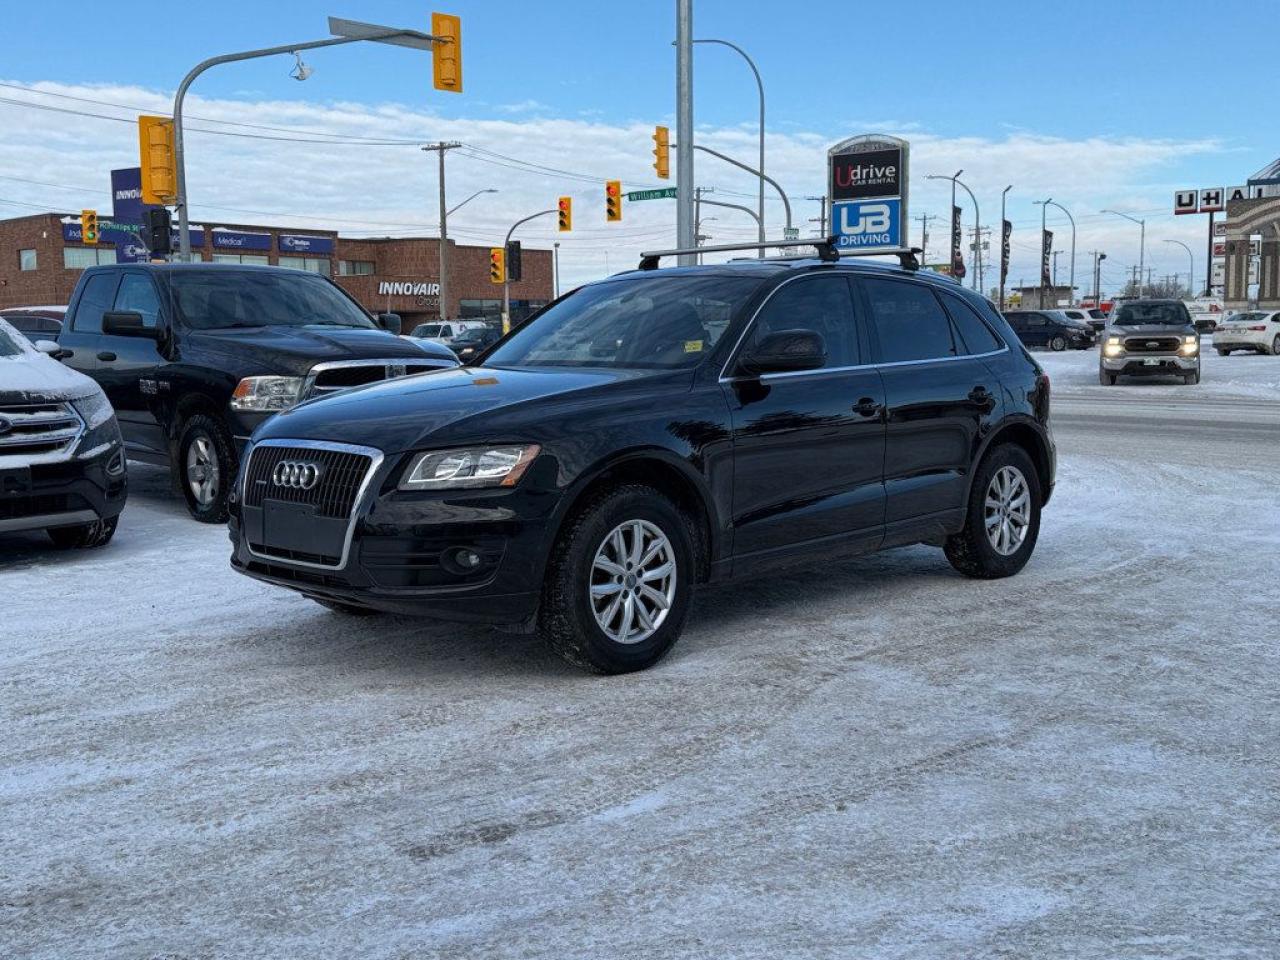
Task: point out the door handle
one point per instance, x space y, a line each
106 356
867 407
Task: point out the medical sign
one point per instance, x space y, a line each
867 184
867 224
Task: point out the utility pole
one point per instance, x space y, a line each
440 149
924 234
1098 257
684 130
821 219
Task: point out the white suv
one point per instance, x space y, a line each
1258 330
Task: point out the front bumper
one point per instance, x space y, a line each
1140 365
399 558
64 493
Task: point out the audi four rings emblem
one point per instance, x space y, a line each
298 474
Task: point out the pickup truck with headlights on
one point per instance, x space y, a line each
1150 338
193 357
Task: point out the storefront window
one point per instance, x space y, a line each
251 258
472 309
355 268
320 265
77 258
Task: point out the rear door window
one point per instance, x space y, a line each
96 299
909 321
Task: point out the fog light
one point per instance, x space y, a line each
467 559
115 466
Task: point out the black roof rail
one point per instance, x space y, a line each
826 246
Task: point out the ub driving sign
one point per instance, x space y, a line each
867 184
867 224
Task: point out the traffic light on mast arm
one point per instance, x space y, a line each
662 152
564 216
446 55
157 159
497 265
612 200
89 226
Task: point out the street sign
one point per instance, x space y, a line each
666 193
790 233
867 224
867 184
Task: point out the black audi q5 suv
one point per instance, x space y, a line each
656 430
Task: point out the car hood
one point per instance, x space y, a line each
296 350
35 377
399 415
1153 329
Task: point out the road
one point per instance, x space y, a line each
871 759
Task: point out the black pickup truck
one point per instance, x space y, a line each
193 357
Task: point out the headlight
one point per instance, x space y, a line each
94 409
468 467
1190 345
266 394
1113 347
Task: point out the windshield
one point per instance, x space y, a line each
1158 314
216 299
9 341
1255 317
654 323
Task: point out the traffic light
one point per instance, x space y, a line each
564 218
89 226
514 270
446 56
497 265
157 231
662 152
612 200
156 157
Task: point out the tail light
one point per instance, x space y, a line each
1261 326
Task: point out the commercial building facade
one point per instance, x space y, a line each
41 257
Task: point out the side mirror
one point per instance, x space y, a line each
391 322
127 323
50 348
786 351
1203 324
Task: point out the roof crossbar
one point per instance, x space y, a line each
826 246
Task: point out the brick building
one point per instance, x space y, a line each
41 257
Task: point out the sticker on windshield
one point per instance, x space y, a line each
693 346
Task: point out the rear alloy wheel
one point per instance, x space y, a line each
85 535
619 581
1058 343
1003 520
207 467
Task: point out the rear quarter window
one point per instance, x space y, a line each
976 335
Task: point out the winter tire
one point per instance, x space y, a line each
1106 379
619 581
1275 346
1191 377
206 467
84 535
1058 344
1223 353
1003 519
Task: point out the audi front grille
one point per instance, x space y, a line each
339 475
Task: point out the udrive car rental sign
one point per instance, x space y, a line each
867 184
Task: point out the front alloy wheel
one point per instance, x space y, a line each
1058 344
633 581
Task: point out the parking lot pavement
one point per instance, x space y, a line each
875 758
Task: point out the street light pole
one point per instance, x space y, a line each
786 203
506 282
345 31
760 88
684 130
555 269
1142 246
1191 266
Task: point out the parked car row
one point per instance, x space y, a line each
1055 329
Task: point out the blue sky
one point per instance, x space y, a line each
1139 97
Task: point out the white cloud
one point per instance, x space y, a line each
391 189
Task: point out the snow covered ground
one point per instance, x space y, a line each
1238 375
871 759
